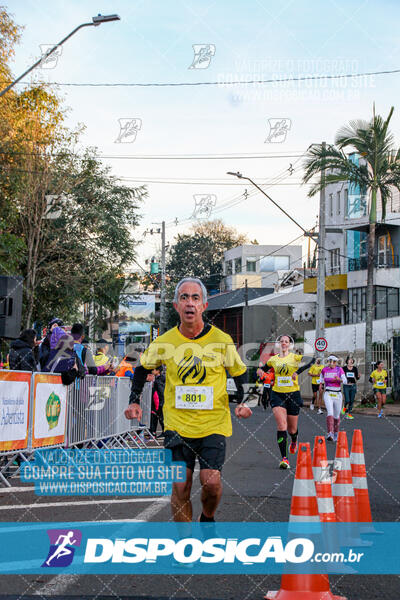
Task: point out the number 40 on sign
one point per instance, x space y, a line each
321 344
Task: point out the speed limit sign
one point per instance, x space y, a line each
321 344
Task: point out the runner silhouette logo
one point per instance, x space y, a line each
62 547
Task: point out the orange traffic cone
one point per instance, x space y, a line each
322 481
359 474
304 509
342 486
343 494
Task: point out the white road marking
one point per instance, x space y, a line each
161 499
61 583
28 488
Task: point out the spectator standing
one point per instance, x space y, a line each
22 356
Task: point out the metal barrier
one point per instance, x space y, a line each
88 413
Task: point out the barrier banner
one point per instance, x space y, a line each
15 388
49 410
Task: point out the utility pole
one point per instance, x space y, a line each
163 315
320 317
163 295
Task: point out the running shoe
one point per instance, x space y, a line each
329 437
320 411
311 406
343 411
335 436
380 414
284 464
349 416
293 448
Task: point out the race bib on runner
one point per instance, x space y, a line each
380 383
194 397
319 380
333 394
285 382
267 385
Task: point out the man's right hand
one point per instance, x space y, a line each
133 412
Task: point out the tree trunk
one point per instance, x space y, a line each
370 305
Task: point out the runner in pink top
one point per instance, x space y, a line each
333 376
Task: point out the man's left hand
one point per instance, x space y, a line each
243 411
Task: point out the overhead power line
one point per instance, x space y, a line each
219 83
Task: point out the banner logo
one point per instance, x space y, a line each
62 547
53 409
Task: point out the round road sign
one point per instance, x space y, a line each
321 344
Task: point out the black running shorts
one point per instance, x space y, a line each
291 401
209 450
315 387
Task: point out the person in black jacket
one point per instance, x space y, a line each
22 357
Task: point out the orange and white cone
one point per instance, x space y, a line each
322 481
342 485
304 509
343 493
359 475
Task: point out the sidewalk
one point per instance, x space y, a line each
390 410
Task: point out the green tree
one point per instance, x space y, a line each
200 252
377 174
90 245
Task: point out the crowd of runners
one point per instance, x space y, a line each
196 414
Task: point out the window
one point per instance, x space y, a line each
386 302
382 250
335 258
380 303
251 263
346 201
331 205
274 263
228 267
357 305
393 302
338 202
238 265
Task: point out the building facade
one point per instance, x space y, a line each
347 226
259 264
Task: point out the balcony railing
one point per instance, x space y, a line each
382 261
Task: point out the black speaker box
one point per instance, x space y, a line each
10 306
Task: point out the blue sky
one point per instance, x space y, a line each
252 39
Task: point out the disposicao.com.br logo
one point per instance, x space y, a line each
190 550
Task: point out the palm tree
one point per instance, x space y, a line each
376 176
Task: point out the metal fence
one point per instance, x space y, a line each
384 352
94 418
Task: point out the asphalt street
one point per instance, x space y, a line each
254 490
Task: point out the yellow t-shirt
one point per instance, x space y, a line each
284 367
195 399
379 377
315 370
100 359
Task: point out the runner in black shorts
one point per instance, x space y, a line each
285 396
196 411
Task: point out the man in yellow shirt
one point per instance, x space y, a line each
196 407
379 381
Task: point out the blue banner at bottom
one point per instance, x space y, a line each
197 548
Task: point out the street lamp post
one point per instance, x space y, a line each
321 270
96 21
240 176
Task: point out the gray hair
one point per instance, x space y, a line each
191 280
